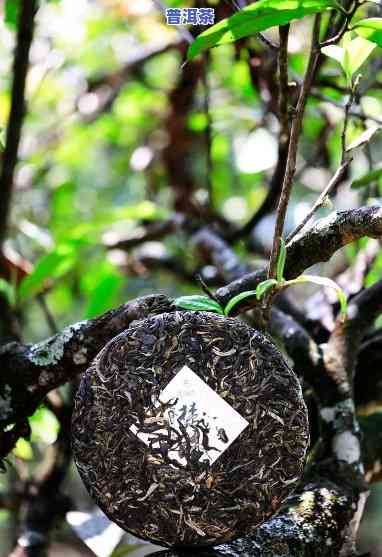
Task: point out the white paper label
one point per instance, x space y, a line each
190 422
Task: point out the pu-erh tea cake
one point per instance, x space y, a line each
189 429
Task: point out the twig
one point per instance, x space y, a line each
335 180
339 174
17 111
293 146
360 115
208 130
344 27
47 314
283 82
156 230
346 121
205 288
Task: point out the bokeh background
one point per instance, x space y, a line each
93 173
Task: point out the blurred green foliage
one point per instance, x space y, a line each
92 172
86 170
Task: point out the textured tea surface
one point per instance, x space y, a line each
187 500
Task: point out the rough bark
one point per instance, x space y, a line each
316 244
313 522
29 372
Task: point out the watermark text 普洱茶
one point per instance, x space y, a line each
190 16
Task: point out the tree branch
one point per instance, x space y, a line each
45 505
345 341
16 116
293 146
220 254
333 183
152 231
313 521
315 245
29 372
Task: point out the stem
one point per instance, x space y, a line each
339 174
345 25
354 113
208 130
346 122
293 146
335 180
283 82
17 111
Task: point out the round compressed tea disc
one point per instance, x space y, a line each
189 429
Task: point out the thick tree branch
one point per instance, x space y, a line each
315 245
29 372
345 341
313 521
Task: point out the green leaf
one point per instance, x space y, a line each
334 51
254 18
237 299
322 281
351 55
370 29
281 261
367 178
364 138
264 286
51 266
126 549
105 294
260 290
357 52
23 450
44 426
199 303
11 13
8 291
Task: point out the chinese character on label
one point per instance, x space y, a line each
206 16
174 16
190 16
190 422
